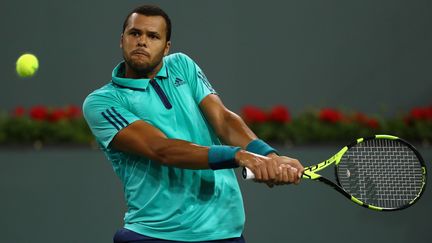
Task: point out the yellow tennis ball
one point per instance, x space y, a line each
27 65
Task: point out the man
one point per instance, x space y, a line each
159 122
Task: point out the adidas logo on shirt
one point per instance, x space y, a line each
178 82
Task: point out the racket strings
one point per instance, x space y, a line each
381 172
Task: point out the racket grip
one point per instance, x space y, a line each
247 174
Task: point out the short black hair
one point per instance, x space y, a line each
150 10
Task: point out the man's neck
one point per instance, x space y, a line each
132 74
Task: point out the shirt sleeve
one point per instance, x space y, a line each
198 81
106 117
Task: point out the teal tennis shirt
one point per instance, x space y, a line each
167 202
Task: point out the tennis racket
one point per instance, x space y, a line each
382 172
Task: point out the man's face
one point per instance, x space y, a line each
144 44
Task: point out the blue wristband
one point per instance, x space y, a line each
222 157
260 147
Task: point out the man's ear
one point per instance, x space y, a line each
121 40
167 48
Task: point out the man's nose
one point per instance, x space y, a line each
142 41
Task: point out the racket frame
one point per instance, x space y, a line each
310 172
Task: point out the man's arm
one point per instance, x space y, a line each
233 131
143 139
227 125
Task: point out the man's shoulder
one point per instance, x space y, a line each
178 59
105 93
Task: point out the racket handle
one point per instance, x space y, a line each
247 174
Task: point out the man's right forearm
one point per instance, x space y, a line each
171 152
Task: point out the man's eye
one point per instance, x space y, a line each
154 37
134 33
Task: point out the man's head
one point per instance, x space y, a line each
150 10
145 40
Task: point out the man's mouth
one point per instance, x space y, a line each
140 52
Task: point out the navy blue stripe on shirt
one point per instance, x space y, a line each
108 119
161 94
120 116
115 119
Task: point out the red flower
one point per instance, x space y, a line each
73 112
363 119
330 115
418 113
429 113
39 112
253 114
421 113
279 114
19 111
56 115
372 123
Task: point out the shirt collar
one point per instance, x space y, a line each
118 78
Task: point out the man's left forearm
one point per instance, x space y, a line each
234 131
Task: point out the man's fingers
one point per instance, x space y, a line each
271 170
294 174
261 173
290 174
284 178
258 174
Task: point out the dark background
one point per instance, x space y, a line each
370 56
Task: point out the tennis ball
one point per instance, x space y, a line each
27 65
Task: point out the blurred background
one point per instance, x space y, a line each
363 57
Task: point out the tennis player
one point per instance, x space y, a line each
173 143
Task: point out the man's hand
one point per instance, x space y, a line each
272 169
294 167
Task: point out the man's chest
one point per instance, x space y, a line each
164 103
